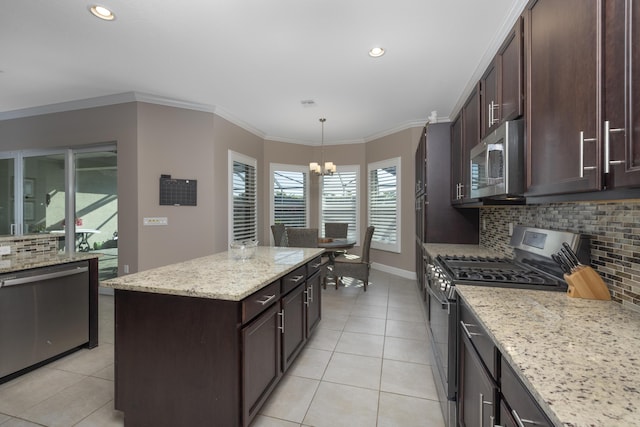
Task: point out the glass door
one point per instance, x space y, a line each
43 193
96 206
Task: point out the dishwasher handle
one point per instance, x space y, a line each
39 277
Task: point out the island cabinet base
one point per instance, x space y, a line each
177 360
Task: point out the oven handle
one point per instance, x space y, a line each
444 304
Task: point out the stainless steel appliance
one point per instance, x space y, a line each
44 312
532 267
497 163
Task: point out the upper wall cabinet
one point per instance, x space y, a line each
621 115
582 94
465 135
503 83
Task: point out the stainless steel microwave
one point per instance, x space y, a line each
497 163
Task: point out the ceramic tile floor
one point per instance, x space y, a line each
366 365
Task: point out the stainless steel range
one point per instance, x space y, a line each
532 267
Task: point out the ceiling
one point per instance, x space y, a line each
254 61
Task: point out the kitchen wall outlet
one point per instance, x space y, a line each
126 269
5 250
155 220
484 224
510 229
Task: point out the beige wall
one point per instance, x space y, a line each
154 140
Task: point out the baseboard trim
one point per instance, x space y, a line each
411 275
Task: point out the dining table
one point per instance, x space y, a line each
334 245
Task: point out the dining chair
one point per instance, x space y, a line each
349 265
336 229
302 237
279 235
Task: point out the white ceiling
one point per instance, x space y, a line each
254 61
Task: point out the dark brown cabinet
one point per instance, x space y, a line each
582 88
621 121
477 386
465 134
294 325
563 96
518 402
420 168
184 360
503 83
261 365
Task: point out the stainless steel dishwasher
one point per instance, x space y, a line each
43 312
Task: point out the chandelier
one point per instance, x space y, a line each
322 168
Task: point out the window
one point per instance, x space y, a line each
289 190
384 204
340 199
243 223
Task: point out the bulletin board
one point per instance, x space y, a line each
178 192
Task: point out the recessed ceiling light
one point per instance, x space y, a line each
376 52
102 13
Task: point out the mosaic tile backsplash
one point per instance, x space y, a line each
613 227
30 245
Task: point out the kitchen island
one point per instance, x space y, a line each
578 358
204 342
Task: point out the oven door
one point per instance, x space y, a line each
442 325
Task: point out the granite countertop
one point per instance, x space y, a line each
25 261
579 358
434 249
218 276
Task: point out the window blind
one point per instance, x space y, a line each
384 204
339 199
290 198
245 223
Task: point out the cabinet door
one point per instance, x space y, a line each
294 334
476 390
510 60
470 138
562 96
260 361
456 160
314 294
523 406
621 131
490 100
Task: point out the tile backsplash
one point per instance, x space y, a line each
613 227
25 246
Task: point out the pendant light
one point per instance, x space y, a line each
322 168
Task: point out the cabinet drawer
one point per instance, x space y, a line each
482 342
260 301
518 398
314 265
293 279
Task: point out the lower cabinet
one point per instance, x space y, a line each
193 361
477 386
519 404
489 391
261 364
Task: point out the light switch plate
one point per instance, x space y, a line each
5 250
156 220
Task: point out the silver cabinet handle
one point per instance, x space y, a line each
296 279
316 265
466 331
582 166
40 277
496 117
490 113
481 411
521 421
267 299
607 153
281 314
306 296
310 293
